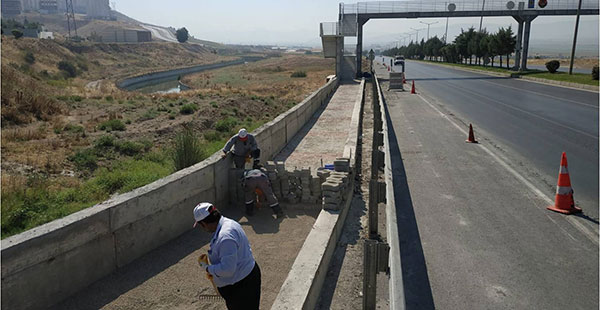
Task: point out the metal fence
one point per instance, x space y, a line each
375 7
330 29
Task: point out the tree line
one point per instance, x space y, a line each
482 47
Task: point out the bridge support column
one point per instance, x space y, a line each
526 41
519 43
339 56
359 40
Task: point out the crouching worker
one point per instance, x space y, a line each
235 272
254 179
243 144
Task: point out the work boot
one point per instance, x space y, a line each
250 209
277 211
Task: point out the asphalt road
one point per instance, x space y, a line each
531 122
474 232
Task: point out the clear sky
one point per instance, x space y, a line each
296 22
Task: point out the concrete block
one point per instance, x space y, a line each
44 284
140 237
331 206
332 200
50 240
330 186
162 194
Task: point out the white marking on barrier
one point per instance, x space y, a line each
586 231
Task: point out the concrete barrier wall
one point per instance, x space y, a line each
43 266
396 286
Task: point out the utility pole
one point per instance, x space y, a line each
574 39
446 34
417 30
481 20
70 16
428 24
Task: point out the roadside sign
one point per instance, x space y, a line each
542 3
531 4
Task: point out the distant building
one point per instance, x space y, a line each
10 7
98 9
30 5
126 35
49 6
31 33
46 35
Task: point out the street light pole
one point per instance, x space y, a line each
428 24
574 39
417 30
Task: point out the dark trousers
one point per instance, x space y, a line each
239 161
244 294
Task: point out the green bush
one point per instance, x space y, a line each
188 109
595 73
29 58
17 33
129 148
113 124
73 128
298 74
226 125
129 175
212 136
105 141
553 66
109 98
68 68
85 159
187 150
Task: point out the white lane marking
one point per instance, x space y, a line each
586 231
530 113
542 94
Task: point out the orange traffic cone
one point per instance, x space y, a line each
388 68
412 90
403 78
564 202
471 138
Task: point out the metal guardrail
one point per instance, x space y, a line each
376 7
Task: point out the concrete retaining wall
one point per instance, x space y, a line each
43 266
304 282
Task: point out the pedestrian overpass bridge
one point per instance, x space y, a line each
352 17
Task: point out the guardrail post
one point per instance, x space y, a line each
373 212
370 274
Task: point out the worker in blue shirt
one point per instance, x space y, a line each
235 272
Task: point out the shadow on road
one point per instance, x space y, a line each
585 217
417 289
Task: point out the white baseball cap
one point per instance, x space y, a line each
201 211
242 133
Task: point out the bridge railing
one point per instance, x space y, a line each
376 7
330 29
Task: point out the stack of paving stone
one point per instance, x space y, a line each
271 168
332 191
341 164
315 187
293 195
283 178
305 177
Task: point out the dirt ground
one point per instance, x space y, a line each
169 276
343 287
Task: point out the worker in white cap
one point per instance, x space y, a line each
243 144
235 272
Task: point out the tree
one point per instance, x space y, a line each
182 35
68 68
484 46
493 47
17 33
